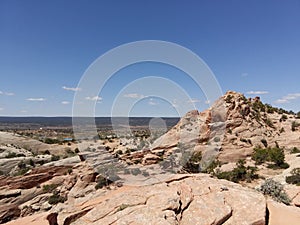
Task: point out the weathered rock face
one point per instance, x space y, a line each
173 199
279 214
183 199
33 179
230 129
26 195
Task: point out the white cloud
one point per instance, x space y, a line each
174 103
152 102
94 98
207 102
287 98
194 100
65 102
7 93
257 92
23 111
134 95
281 101
71 88
36 99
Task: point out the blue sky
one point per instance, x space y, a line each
46 46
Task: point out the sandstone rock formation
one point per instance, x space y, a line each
230 129
144 187
183 199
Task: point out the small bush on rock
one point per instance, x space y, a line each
50 187
192 166
295 125
294 178
275 190
240 173
56 198
275 155
55 157
102 182
295 150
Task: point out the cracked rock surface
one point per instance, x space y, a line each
195 199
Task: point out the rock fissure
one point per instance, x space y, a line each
72 218
177 179
267 216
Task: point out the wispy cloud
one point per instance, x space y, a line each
152 102
94 98
207 102
257 92
65 102
244 74
194 100
36 99
134 95
288 98
7 93
71 88
281 101
174 103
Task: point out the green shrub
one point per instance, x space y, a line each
258 106
270 109
295 150
211 167
260 155
11 155
56 198
52 141
281 111
102 182
269 122
294 178
217 139
275 155
295 125
145 174
228 98
275 190
31 163
22 169
193 163
47 152
50 187
240 173
283 118
136 171
55 157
